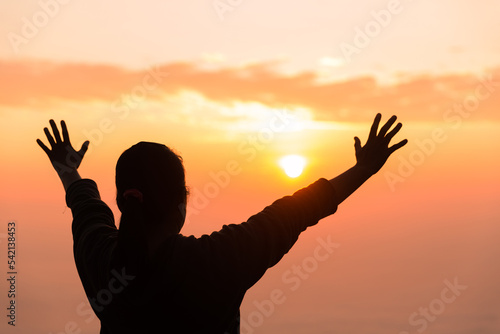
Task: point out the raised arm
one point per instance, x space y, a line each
369 158
64 158
243 252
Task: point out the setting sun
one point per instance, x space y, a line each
293 165
260 100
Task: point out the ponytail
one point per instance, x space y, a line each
132 242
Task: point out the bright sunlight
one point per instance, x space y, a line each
293 165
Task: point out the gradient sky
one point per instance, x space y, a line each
212 85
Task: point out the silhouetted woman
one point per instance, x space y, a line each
148 278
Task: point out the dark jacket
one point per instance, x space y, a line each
191 285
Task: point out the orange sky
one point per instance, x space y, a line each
266 81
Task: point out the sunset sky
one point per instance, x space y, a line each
245 83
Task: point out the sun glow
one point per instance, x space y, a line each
293 165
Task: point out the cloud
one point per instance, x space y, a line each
427 98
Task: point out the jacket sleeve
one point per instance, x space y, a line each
250 248
94 234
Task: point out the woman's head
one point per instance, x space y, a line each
158 173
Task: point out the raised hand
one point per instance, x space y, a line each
63 156
373 155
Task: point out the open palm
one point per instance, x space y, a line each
62 155
376 151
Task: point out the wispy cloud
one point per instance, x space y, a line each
37 83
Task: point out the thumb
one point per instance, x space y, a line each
357 144
85 147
